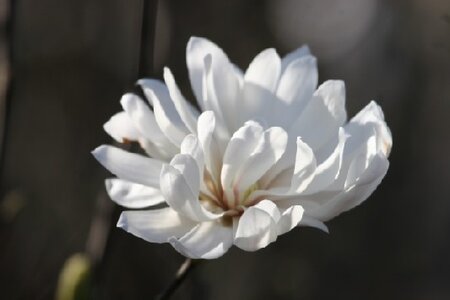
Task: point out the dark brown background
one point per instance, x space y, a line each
72 60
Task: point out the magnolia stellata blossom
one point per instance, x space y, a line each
269 151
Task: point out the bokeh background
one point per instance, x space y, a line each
63 67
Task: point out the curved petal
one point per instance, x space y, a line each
155 226
332 93
328 171
222 87
162 153
188 167
290 218
255 229
186 112
210 99
258 104
240 147
191 146
180 197
282 181
265 70
368 136
144 120
121 128
132 195
212 154
268 151
157 87
322 116
196 51
284 163
208 240
372 114
355 194
296 87
360 161
164 110
305 167
312 222
293 56
129 166
270 208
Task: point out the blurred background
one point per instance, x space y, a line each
64 66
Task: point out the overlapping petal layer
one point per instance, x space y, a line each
270 150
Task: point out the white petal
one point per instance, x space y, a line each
329 170
180 197
290 218
143 119
188 167
294 55
368 136
208 240
270 148
157 87
333 94
163 153
132 195
361 160
155 226
373 115
282 180
184 109
305 167
258 104
212 154
164 110
121 128
265 70
283 164
196 51
129 166
270 208
312 222
355 194
299 81
254 230
376 168
191 146
240 147
296 87
323 115
222 92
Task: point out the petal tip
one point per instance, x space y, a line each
122 222
99 151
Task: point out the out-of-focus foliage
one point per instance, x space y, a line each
74 280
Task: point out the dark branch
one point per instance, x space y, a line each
182 273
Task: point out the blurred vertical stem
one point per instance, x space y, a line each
147 37
103 223
5 109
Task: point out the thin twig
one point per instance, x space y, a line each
182 273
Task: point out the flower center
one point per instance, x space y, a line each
215 199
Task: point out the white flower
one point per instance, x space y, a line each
269 152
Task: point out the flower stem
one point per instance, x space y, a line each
185 269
